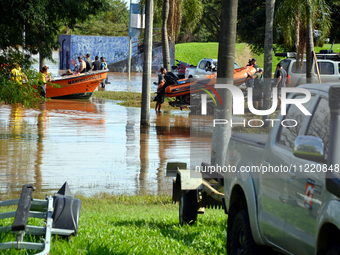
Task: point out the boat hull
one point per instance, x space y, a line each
196 85
76 86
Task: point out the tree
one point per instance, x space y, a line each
268 53
165 41
146 86
297 21
113 22
42 20
225 75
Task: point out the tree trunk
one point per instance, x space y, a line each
146 86
268 56
165 41
309 47
42 60
226 59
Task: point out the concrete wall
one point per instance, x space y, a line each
138 60
115 49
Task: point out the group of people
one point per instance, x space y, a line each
86 66
256 83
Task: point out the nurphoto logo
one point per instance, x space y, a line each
238 104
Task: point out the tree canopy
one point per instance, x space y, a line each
113 21
41 21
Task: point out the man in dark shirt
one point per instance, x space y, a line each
96 64
280 81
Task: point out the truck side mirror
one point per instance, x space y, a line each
310 148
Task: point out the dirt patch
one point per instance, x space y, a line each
242 57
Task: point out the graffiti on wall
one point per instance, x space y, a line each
114 49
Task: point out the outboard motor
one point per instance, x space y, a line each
333 177
171 78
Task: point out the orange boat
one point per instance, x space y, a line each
187 86
79 86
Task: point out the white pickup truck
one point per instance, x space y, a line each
328 65
293 204
206 66
281 190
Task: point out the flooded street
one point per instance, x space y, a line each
94 145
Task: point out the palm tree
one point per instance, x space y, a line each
165 41
268 53
146 84
298 19
173 14
225 75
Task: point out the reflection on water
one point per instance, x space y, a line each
95 145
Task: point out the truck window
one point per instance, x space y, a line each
288 135
303 71
298 70
326 67
285 64
202 64
320 124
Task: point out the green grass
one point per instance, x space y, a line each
336 48
192 53
139 225
131 99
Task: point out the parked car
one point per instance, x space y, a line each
180 68
206 66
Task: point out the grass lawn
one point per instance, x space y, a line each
138 225
132 99
192 53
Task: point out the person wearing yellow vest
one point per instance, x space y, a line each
44 77
103 65
17 75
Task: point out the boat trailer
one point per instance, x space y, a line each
194 191
60 212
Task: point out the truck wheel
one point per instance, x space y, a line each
242 241
334 250
187 99
188 207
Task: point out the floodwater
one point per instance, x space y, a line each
94 145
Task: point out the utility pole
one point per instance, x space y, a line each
129 59
225 75
146 87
